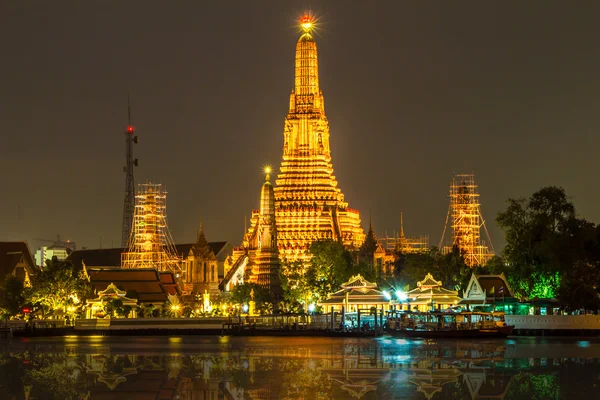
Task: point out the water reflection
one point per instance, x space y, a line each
211 368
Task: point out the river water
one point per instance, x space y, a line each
236 368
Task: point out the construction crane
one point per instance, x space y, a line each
68 244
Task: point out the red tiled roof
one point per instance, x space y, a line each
146 282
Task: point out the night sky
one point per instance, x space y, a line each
413 93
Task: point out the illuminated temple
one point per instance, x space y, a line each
309 205
257 259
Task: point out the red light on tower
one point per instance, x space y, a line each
130 129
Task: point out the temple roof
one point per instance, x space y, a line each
11 254
428 282
150 285
357 281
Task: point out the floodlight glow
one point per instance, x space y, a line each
245 308
401 295
387 295
311 308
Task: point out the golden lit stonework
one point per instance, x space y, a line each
309 205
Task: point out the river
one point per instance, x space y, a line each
237 368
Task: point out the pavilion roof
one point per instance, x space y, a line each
429 282
357 281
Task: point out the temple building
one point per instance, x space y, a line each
200 268
429 295
257 259
309 205
356 294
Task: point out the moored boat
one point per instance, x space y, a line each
449 325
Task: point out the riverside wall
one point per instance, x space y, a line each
555 325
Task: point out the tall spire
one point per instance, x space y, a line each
307 66
401 226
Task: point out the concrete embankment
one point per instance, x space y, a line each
555 325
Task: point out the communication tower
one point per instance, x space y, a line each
464 216
151 244
130 162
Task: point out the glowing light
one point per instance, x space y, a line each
267 169
245 308
306 22
401 295
387 295
130 128
311 308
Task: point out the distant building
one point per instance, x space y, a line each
16 260
46 253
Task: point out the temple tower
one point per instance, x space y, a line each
257 259
309 205
464 216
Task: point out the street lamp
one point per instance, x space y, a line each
245 308
311 307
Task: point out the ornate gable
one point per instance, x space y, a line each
428 282
474 290
358 282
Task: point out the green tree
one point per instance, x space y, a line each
449 268
242 294
58 284
330 266
12 297
295 286
549 250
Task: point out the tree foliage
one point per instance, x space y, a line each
550 251
449 268
58 285
330 266
12 297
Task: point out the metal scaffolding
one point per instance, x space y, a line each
150 243
464 216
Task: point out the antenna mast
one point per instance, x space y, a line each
130 162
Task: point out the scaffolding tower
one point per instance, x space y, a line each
150 243
464 216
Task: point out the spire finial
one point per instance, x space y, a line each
267 170
307 23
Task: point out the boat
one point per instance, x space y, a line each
449 324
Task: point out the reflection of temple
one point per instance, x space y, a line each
129 377
358 370
429 377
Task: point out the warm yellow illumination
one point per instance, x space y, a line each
306 23
267 169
